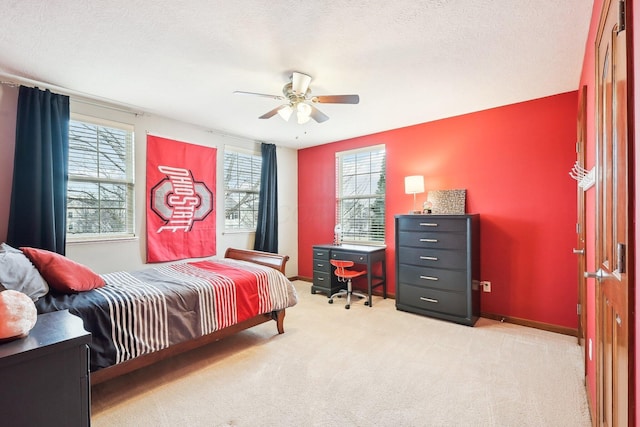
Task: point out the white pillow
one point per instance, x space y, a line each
18 273
6 248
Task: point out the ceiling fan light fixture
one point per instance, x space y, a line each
297 95
300 83
302 119
285 112
303 111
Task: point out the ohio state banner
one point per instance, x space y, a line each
181 182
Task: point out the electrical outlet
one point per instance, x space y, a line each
486 286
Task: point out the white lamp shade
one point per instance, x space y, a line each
414 184
300 83
302 119
303 112
303 108
285 112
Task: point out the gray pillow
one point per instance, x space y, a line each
18 273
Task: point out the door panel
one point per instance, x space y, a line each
612 219
581 247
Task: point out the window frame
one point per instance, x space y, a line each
254 193
128 181
373 238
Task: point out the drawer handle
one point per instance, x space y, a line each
428 224
429 258
429 278
435 301
320 279
319 253
320 265
429 240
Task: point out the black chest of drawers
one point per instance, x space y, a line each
438 266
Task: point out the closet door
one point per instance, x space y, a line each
613 228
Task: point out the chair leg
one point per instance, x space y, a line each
359 295
338 294
348 292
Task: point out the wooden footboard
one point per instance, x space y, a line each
263 258
276 261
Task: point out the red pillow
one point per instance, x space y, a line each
61 273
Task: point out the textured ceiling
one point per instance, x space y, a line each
411 61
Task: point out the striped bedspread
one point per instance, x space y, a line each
145 311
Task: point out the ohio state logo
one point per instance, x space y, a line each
180 200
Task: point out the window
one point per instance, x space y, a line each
361 183
100 191
241 189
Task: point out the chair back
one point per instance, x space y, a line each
341 266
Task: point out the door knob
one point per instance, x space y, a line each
578 251
598 275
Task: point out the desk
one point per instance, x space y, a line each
324 280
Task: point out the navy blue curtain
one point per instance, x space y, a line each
37 215
267 228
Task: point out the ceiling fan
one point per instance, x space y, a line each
299 99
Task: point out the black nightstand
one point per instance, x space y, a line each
45 376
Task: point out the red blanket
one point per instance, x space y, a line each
240 294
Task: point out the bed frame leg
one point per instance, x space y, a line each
278 316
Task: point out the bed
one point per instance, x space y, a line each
138 318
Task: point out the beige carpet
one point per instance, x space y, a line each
359 367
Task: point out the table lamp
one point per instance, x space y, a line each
413 185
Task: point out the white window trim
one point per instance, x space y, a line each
339 191
240 150
106 237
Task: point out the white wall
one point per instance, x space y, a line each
8 110
128 255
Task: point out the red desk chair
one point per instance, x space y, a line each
345 275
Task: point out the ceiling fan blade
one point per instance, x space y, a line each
264 95
337 99
318 115
271 113
300 82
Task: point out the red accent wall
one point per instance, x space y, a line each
514 162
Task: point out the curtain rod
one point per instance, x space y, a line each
12 80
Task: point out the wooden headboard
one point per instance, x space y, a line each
276 261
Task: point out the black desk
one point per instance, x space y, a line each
325 281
